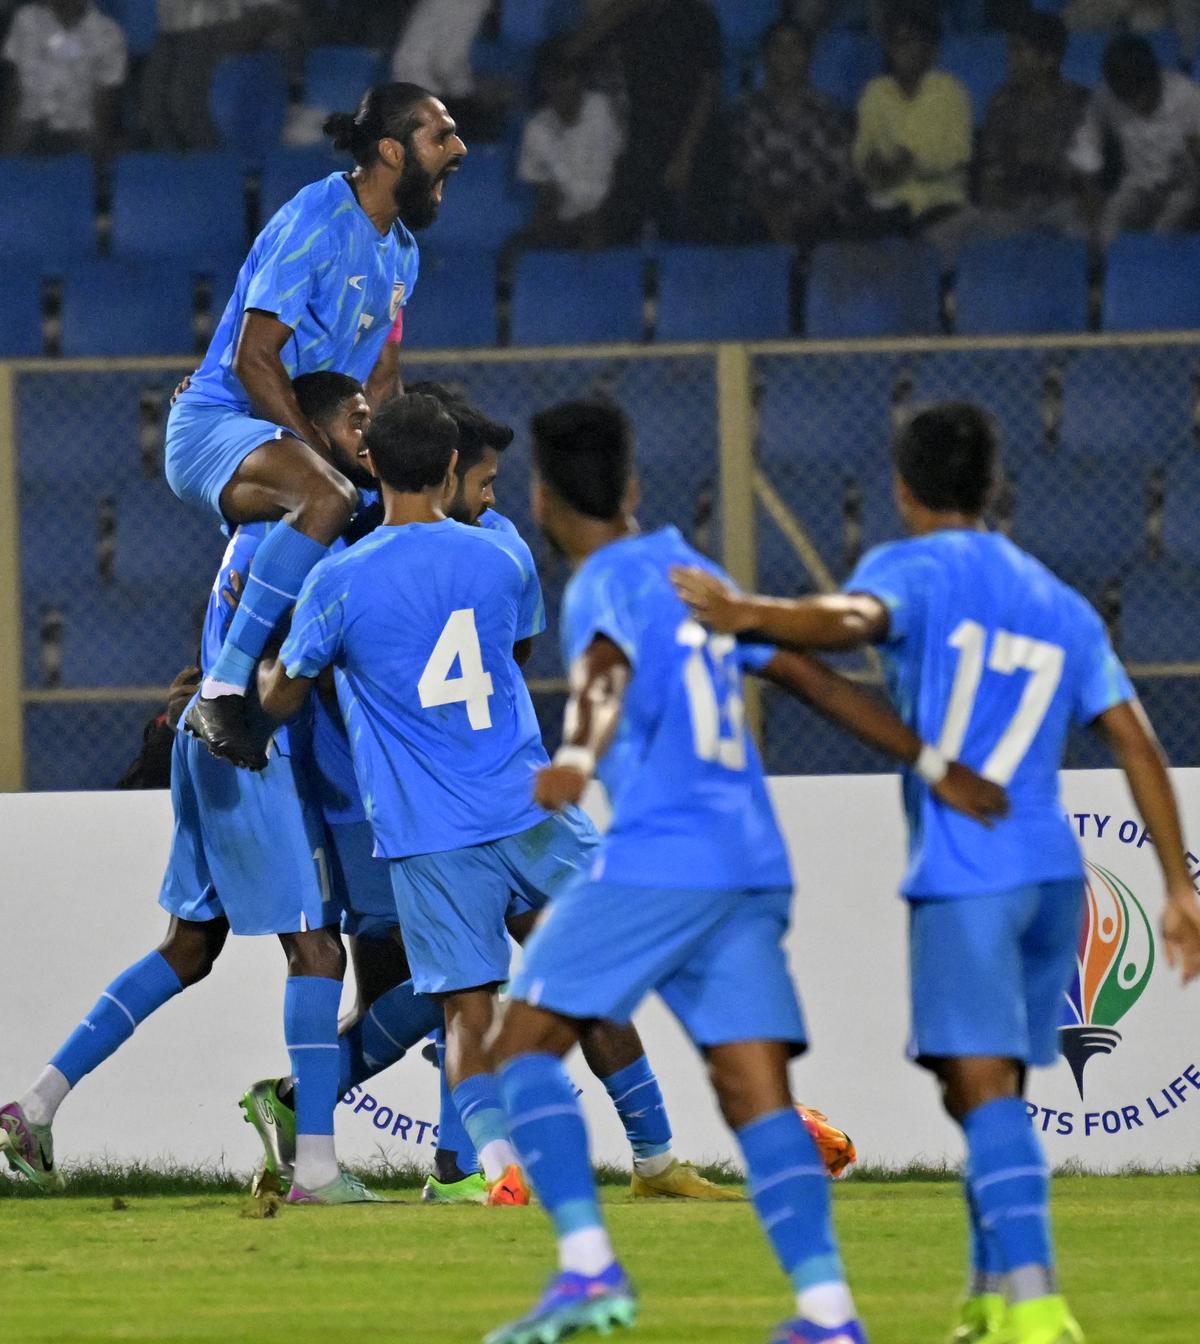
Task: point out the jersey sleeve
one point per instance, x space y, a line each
531 614
754 657
893 578
315 639
1105 682
602 607
287 275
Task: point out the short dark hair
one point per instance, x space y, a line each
412 440
320 394
583 450
1130 66
919 16
386 112
476 431
786 25
946 454
1044 32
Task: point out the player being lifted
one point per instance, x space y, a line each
320 289
689 894
993 658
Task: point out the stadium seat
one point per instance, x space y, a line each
1158 613
21 311
564 298
1021 286
248 102
1132 403
1181 527
285 171
337 77
483 206
138 20
724 293
1084 57
743 22
529 23
980 61
844 60
127 308
1152 283
890 288
47 208
178 205
454 304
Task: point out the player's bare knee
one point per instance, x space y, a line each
191 950
526 1030
316 952
749 1079
327 507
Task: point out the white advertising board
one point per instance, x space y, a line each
78 903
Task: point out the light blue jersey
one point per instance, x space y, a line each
323 269
690 806
420 621
993 658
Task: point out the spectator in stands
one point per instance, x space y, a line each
194 36
1025 179
671 174
792 147
68 64
913 146
1153 116
1144 15
434 49
569 150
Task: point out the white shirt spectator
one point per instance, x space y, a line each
434 49
577 158
1154 148
61 69
187 16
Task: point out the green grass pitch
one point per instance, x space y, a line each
201 1267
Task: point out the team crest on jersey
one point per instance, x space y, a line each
397 297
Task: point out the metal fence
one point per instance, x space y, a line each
771 457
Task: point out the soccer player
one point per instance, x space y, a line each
248 854
689 894
320 290
994 658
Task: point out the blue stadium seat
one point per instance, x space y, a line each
980 61
528 23
454 304
47 208
490 57
248 102
890 288
1158 614
126 308
1021 286
337 77
138 20
1084 57
1127 403
561 298
1152 283
724 293
21 311
483 207
743 22
178 205
1181 528
285 171
844 60
222 277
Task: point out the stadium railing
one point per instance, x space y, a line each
769 456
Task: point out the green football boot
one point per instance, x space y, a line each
275 1124
979 1320
471 1189
1043 1320
29 1148
344 1189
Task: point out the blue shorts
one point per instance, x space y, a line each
206 444
715 956
362 884
989 973
453 905
249 846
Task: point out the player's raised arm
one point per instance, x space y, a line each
1134 744
830 621
599 680
281 695
259 368
872 722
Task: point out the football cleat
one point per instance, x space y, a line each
29 1148
574 1304
344 1189
220 723
835 1145
471 1189
510 1189
275 1124
1043 1320
800 1331
980 1319
681 1180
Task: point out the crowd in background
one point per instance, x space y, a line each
626 132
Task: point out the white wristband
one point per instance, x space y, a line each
582 759
931 765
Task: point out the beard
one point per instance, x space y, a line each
416 204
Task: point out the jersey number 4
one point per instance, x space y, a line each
1009 653
713 681
458 643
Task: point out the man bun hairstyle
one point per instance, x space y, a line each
947 456
583 451
476 431
386 112
412 439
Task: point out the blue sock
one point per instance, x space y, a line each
987 1268
310 1015
276 575
129 1000
482 1113
1010 1185
790 1189
548 1130
452 1135
392 1025
639 1101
